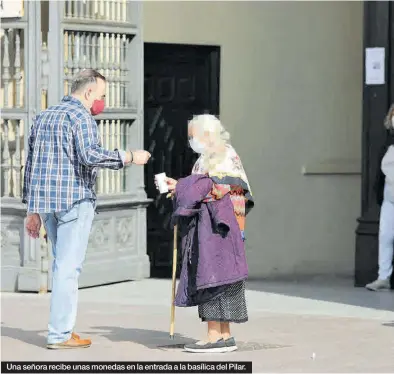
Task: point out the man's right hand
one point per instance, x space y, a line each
139 157
33 225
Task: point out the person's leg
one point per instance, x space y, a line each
213 344
386 240
73 229
386 244
227 307
214 331
225 330
209 312
235 305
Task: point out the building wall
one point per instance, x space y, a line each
291 94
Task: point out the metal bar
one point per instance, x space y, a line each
124 146
70 65
107 188
6 24
118 144
106 67
138 65
55 39
77 7
109 26
113 145
117 71
107 13
113 10
118 11
95 46
69 8
124 10
128 183
17 113
101 180
100 58
33 65
101 9
65 67
17 160
77 55
88 45
82 60
95 9
111 76
128 114
6 76
6 159
17 69
123 68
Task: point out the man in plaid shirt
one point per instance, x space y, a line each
60 173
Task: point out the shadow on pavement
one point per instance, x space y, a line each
336 290
26 336
149 338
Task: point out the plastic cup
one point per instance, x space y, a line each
161 182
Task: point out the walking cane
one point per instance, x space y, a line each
174 263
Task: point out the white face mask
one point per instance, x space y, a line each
196 146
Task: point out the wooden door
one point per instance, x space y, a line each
180 81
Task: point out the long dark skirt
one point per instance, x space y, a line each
230 306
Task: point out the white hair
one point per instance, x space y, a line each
208 124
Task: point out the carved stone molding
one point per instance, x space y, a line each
125 232
10 242
100 235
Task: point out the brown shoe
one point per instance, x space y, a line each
74 342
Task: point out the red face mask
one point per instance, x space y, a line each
97 107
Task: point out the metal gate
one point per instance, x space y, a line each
104 35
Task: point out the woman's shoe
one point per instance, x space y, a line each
203 347
231 345
379 284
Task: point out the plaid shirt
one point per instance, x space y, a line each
63 157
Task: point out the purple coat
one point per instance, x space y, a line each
213 251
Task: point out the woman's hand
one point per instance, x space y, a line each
171 183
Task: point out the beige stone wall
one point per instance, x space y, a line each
291 94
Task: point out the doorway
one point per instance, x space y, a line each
180 81
378 31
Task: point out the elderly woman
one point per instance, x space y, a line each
210 208
384 188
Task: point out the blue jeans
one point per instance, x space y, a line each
69 234
386 235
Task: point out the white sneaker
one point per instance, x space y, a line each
379 284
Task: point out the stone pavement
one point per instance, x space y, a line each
316 326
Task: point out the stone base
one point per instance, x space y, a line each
116 253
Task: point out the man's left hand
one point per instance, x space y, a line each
33 225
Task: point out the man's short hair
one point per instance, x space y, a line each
83 78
